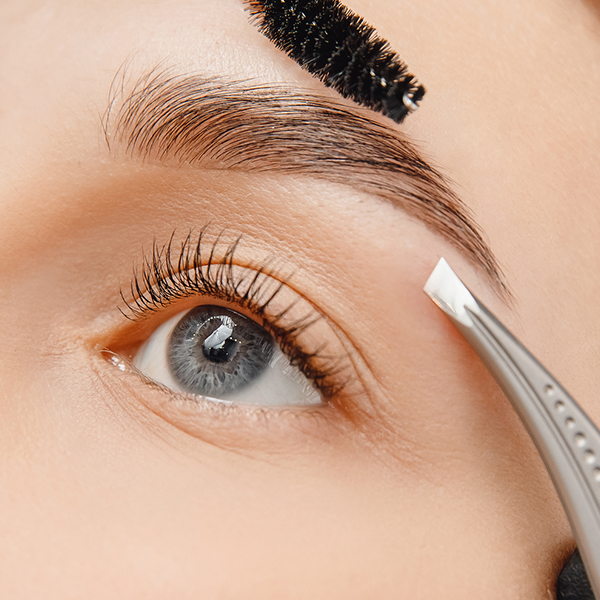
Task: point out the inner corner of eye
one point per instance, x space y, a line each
220 354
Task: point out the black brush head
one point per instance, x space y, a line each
336 45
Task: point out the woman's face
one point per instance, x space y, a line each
416 480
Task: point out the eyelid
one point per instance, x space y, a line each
189 274
252 429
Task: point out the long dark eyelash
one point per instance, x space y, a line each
161 281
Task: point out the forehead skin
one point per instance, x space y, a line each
441 494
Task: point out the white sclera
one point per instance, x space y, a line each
280 384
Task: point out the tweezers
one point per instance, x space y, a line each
566 438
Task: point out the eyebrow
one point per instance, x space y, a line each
236 125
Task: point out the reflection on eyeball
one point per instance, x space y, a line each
222 355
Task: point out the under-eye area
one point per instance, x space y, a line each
201 324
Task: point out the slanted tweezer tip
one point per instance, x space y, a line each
446 289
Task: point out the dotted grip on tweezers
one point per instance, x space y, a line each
566 438
577 430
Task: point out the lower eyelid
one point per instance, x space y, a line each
350 418
229 426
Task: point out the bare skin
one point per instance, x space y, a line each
419 482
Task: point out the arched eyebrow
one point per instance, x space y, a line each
236 125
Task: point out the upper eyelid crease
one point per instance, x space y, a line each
235 125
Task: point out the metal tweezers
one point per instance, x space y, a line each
566 438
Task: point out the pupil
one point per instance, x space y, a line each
220 346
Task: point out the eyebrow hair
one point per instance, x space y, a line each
236 125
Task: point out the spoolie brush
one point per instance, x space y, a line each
336 45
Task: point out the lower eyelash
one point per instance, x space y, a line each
163 280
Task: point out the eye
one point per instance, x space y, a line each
219 353
252 338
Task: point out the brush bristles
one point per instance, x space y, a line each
342 50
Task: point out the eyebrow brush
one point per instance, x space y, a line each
566 438
337 46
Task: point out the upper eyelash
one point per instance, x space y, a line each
162 281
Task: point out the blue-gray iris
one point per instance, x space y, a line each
214 351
